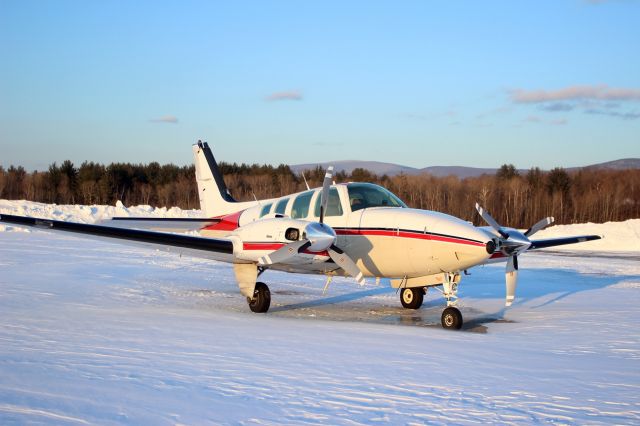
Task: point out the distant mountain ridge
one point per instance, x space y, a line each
391 169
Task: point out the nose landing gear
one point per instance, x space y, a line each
451 318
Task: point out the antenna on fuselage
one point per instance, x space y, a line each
305 181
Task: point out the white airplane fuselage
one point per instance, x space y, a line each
386 242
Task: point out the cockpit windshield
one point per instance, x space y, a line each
363 195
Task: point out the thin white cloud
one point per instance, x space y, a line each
623 115
557 107
165 119
575 93
290 95
596 100
539 120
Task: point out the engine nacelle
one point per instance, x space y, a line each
255 239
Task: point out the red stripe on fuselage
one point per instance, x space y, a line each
404 234
319 253
276 246
262 246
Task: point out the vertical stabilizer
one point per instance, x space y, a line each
215 199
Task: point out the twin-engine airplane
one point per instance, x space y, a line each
350 229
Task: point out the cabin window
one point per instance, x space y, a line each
281 206
334 208
363 195
300 209
265 210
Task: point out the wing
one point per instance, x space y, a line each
208 248
159 224
552 242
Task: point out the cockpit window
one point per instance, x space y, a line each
300 208
334 208
265 210
363 195
281 206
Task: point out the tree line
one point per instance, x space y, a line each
514 199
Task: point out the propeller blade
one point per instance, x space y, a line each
539 226
511 276
284 253
491 221
345 262
324 196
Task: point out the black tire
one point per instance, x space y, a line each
411 298
261 299
451 318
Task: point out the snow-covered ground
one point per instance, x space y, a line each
102 333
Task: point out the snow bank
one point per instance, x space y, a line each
618 236
86 214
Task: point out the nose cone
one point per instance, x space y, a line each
517 242
468 246
321 236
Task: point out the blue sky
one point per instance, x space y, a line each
540 83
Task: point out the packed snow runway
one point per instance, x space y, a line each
95 332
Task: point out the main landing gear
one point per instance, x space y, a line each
261 299
411 298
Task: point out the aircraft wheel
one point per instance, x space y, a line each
261 299
451 318
411 298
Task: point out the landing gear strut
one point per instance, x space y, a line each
261 299
451 317
411 298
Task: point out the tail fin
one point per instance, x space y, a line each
215 199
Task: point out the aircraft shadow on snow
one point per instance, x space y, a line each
537 288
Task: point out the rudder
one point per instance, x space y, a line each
215 198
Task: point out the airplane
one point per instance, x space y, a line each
354 229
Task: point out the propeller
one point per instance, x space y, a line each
284 253
511 243
317 237
324 195
539 226
511 275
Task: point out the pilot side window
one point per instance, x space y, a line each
334 208
265 210
281 206
300 209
